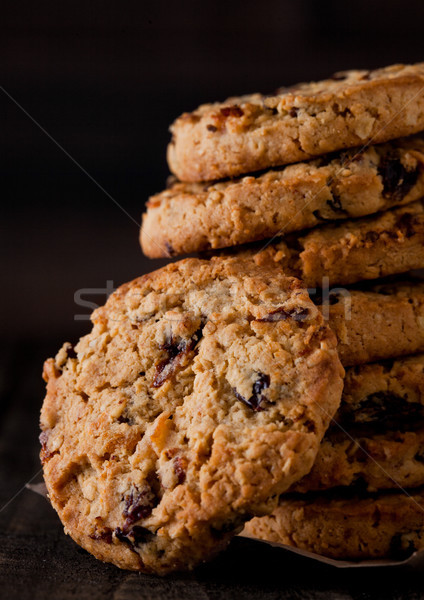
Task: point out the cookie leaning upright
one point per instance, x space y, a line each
300 122
202 393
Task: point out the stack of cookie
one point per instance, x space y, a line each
326 181
204 391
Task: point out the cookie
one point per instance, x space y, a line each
255 132
201 394
193 217
385 244
357 528
385 321
377 437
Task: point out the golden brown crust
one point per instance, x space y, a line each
256 132
368 248
385 322
388 243
195 217
201 393
376 439
382 526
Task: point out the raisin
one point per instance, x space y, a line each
398 549
257 398
170 250
176 353
105 535
397 181
372 236
382 411
318 298
122 419
293 112
180 465
231 111
211 128
336 204
406 224
138 505
45 453
135 536
280 314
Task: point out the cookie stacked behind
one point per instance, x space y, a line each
205 388
364 497
321 181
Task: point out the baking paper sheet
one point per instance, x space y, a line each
416 560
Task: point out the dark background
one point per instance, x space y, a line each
105 80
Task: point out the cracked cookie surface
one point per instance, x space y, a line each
201 394
256 132
199 216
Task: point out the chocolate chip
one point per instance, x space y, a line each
397 180
280 314
257 398
212 128
176 352
231 111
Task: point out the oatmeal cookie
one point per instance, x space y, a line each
193 217
250 133
201 394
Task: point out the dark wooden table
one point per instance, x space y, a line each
38 561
